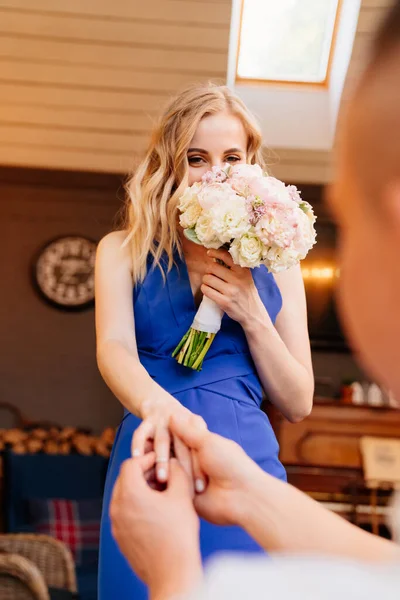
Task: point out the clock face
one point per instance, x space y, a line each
64 271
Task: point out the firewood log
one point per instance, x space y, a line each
82 444
34 445
66 434
39 433
51 447
54 433
102 448
14 436
108 436
19 448
64 448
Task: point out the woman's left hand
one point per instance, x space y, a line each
232 288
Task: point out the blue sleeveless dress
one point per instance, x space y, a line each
226 393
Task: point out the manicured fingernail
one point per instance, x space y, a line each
208 252
162 474
199 485
136 453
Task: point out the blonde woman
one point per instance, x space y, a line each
149 282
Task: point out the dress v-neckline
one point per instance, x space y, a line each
180 291
185 270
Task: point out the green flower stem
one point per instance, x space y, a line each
185 347
197 364
192 348
179 346
192 338
200 337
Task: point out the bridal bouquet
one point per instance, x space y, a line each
257 218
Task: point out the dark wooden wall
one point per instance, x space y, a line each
48 367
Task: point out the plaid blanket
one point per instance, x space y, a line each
74 522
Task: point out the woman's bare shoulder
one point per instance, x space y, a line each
115 239
111 248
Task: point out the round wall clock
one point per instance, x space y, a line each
64 272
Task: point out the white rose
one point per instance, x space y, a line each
230 218
263 229
205 232
305 237
247 251
214 193
189 217
279 259
189 196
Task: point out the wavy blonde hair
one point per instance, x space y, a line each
153 192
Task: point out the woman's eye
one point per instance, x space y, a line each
233 158
195 160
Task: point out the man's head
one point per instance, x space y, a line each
366 203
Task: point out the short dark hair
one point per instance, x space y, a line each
388 35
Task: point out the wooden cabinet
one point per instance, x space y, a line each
330 436
322 453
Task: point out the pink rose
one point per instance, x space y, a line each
270 190
241 176
294 193
216 175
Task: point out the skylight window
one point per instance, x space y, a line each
286 40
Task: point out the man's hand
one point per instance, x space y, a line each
226 467
157 531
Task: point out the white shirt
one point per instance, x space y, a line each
298 578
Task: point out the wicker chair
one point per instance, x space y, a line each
51 557
20 579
